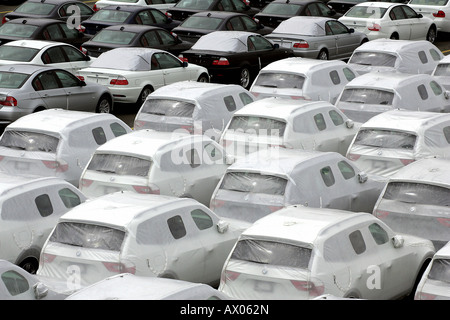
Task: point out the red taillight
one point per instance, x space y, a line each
216 204
5 20
84 50
274 208
221 62
298 98
55 165
256 94
308 286
444 221
150 189
119 81
48 258
182 58
86 183
231 275
424 296
381 214
353 157
118 267
81 78
406 161
301 44
9 102
2 157
95 8
168 15
81 28
374 27
439 14
189 129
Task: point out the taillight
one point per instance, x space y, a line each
221 62
55 165
439 14
9 101
216 204
301 44
5 20
168 15
231 275
308 286
256 94
444 221
189 129
81 28
48 258
182 58
406 161
374 27
381 214
150 189
118 267
84 50
353 157
275 208
297 98
119 81
424 296
86 182
81 78
95 8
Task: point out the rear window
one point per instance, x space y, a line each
280 80
429 3
440 270
442 69
205 23
168 108
110 16
367 96
17 30
385 139
29 141
21 54
88 236
254 183
288 9
120 165
273 253
366 12
36 8
115 37
12 80
257 125
418 193
373 59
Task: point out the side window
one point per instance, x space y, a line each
166 37
436 88
193 158
435 55
334 76
349 74
447 133
176 227
53 55
324 9
99 135
260 43
202 219
69 33
357 241
245 98
167 61
313 10
327 176
336 117
378 233
213 153
117 129
320 121
250 24
73 54
15 282
52 32
67 79
46 81
238 4
236 24
337 27
423 57
158 16
69 198
145 17
409 12
150 39
422 92
230 103
44 205
347 170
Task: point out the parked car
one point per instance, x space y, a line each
193 107
50 9
389 20
342 6
286 123
271 179
279 10
201 23
405 56
185 8
56 142
442 72
18 284
127 286
373 93
234 56
394 139
416 200
131 74
319 37
52 53
146 235
303 78
30 208
434 284
436 10
49 88
155 162
301 253
162 5
40 29
127 14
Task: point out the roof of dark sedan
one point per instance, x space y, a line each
130 8
133 27
219 14
35 21
295 1
54 1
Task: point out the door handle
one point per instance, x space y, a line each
69 93
45 95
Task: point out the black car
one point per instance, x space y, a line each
186 8
234 56
202 23
51 9
114 15
133 35
279 10
41 29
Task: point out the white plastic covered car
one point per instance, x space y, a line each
393 139
269 180
302 253
442 72
287 123
146 235
56 142
377 92
303 78
416 200
193 107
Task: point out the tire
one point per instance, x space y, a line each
323 55
394 36
30 265
143 95
431 34
104 105
244 77
203 78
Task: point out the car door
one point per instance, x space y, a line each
171 67
79 97
400 23
346 42
49 88
418 26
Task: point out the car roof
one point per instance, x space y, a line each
380 4
35 21
130 8
13 184
294 1
428 170
304 66
36 44
309 24
303 224
193 90
218 14
133 27
390 80
393 46
25 68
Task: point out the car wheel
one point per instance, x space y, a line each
323 55
104 105
143 95
244 79
203 78
30 265
431 34
394 36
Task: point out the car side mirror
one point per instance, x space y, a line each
185 64
397 241
82 83
276 45
362 177
40 290
351 30
419 16
87 58
222 226
349 123
446 94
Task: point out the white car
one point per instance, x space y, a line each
287 123
146 235
442 72
303 78
132 74
436 10
393 139
302 253
162 5
57 54
389 20
435 283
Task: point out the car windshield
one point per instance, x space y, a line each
429 3
119 164
110 16
88 236
168 108
251 182
280 80
367 96
385 139
442 69
272 253
366 12
380 59
288 9
418 193
114 37
440 270
205 23
20 54
12 80
17 30
259 126
194 4
29 141
37 8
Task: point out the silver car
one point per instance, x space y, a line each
317 38
25 89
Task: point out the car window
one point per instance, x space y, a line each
167 61
250 24
14 282
150 39
224 5
417 193
435 55
337 27
323 9
334 76
67 79
288 9
69 198
349 74
336 117
202 220
422 92
357 241
84 9
230 103
422 56
312 10
327 176
378 233
259 126
120 165
29 141
99 135
176 227
44 205
238 5
145 17
440 270
365 12
367 96
346 169
193 158
260 43
442 69
52 32
117 129
236 24
53 55
397 13
251 182
69 33
390 139
168 108
110 16
280 80
373 59
245 98
73 54
409 12
319 120
166 37
19 54
213 152
115 37
45 81
436 88
13 80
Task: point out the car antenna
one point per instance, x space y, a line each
122 28
24 21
